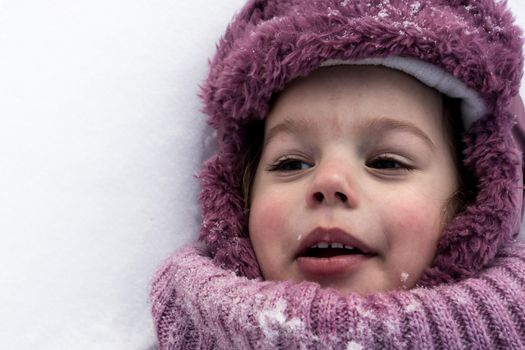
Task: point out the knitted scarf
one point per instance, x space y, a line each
197 305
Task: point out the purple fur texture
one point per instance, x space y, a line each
269 43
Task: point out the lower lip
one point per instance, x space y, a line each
337 265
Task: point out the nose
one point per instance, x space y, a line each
331 185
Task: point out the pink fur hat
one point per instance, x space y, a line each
468 49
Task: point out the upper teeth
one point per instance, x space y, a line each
323 245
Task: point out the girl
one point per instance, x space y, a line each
366 191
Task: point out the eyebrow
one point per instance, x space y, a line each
384 124
287 126
377 125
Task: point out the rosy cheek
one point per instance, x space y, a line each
269 235
268 219
413 213
409 219
413 231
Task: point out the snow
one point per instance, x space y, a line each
352 345
403 278
407 24
383 13
413 306
415 7
461 298
274 321
100 136
333 12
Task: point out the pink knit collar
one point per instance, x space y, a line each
199 305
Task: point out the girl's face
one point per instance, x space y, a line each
353 182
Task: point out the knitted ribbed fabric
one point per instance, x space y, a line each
197 305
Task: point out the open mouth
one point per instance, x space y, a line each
329 250
332 252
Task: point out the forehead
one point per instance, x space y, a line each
356 94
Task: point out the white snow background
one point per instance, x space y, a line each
100 136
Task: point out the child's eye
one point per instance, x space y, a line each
289 164
387 162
